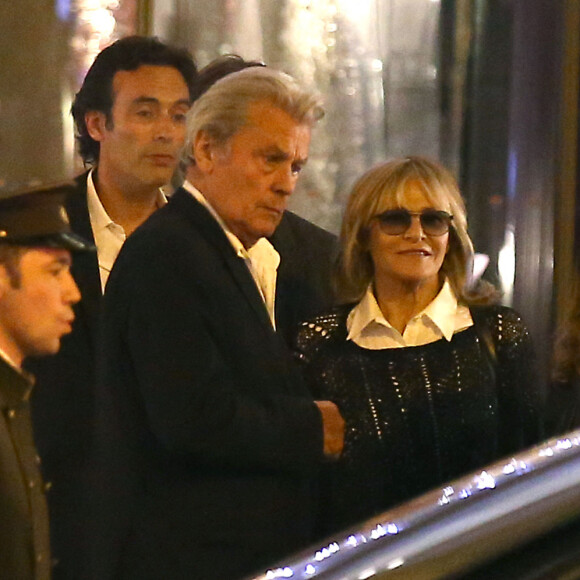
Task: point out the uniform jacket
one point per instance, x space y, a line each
62 402
24 536
207 436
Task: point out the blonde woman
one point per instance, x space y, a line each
432 380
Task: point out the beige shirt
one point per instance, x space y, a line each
442 318
109 236
262 260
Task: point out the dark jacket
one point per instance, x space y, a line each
24 538
207 437
303 287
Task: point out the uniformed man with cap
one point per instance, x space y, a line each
37 293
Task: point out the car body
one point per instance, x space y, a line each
516 518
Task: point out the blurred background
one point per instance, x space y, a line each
488 87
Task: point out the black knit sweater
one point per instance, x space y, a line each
419 416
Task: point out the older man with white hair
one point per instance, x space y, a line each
207 437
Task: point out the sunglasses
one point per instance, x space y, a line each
395 222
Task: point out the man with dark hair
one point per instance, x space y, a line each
97 91
208 440
304 286
130 125
37 294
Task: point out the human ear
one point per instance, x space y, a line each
205 151
96 122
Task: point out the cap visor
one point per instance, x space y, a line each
72 242
65 240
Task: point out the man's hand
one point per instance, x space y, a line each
333 426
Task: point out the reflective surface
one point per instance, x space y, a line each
458 526
375 61
476 84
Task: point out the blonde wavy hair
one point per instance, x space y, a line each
383 187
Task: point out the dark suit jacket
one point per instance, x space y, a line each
62 401
303 287
207 437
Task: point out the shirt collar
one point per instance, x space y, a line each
100 219
239 248
262 259
264 253
442 311
365 313
15 383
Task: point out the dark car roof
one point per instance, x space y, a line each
487 518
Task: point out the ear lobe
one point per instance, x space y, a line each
96 122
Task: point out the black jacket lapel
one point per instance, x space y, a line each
85 268
212 231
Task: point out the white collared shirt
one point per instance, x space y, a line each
109 236
262 259
442 318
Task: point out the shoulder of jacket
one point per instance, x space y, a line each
327 323
504 323
303 230
495 312
314 333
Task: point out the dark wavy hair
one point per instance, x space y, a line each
129 53
219 68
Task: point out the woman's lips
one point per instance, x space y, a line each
417 252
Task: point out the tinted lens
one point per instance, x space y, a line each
395 221
435 223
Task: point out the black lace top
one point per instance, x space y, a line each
419 416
